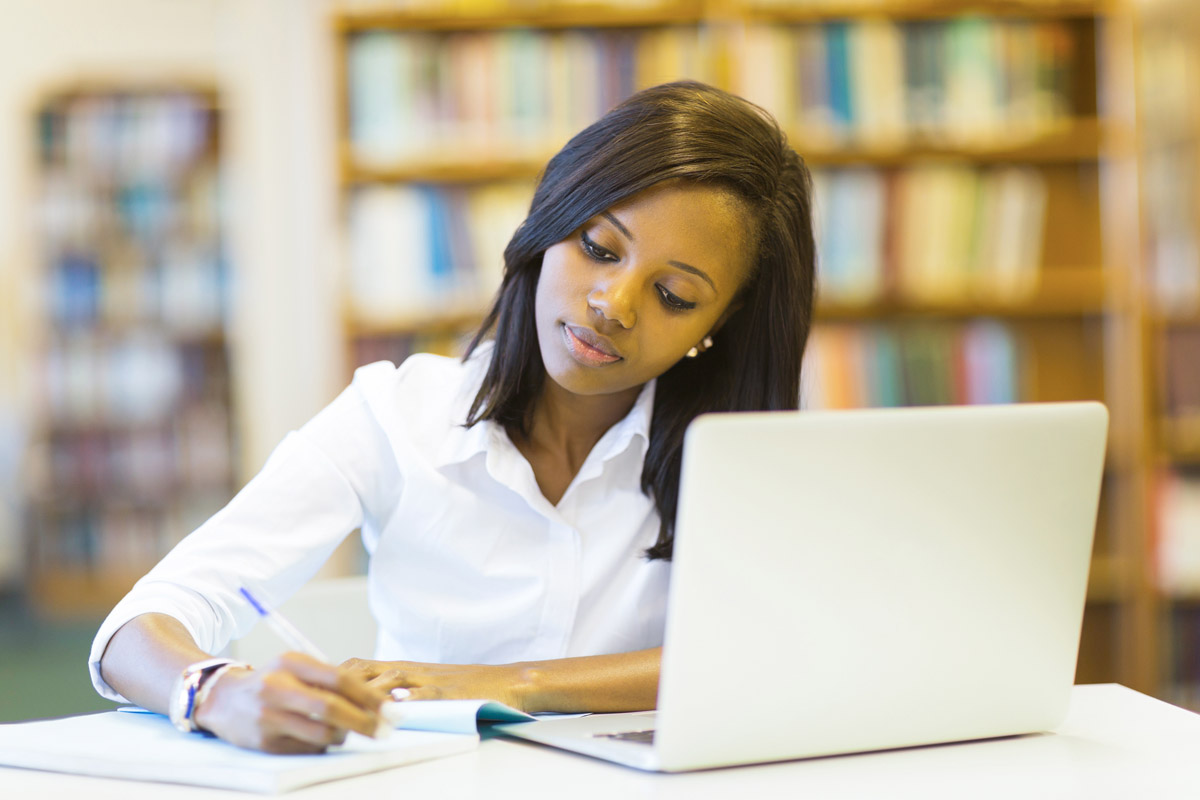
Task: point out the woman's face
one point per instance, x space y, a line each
626 296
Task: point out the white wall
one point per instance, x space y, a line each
271 60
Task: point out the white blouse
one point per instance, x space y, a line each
469 562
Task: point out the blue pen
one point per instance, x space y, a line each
291 636
390 713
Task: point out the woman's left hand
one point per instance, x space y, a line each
506 683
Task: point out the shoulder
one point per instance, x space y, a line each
425 393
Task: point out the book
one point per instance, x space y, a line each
1177 553
880 82
855 366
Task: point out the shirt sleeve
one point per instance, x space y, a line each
319 484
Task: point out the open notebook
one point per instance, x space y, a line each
145 746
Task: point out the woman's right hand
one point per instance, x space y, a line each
296 704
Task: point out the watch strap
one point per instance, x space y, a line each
185 691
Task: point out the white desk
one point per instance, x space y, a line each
1115 743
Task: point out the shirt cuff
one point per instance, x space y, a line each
151 597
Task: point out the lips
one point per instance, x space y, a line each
588 347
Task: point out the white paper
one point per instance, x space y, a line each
147 747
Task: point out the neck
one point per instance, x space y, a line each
571 424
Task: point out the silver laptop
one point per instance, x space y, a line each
864 580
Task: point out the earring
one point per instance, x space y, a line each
705 343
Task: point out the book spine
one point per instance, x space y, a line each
854 366
969 79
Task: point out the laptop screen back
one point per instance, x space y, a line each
849 581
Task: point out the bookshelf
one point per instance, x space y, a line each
1169 149
977 147
134 444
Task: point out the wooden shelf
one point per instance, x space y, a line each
1177 318
1074 293
1109 580
549 16
450 166
104 331
80 593
1074 140
1180 439
439 323
1084 297
925 9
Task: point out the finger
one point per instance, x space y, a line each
285 692
346 683
390 680
282 725
426 693
361 667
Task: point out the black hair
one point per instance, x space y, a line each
694 132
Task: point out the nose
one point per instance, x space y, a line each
614 299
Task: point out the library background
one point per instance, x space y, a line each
214 210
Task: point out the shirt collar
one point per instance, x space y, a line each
462 443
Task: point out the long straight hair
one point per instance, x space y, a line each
693 132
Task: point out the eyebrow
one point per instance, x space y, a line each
679 264
608 216
695 271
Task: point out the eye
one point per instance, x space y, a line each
672 301
593 250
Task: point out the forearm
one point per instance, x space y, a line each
144 657
616 682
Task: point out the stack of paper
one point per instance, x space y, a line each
143 746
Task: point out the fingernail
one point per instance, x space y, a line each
399 693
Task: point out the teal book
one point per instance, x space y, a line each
838 72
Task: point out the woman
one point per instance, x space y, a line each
519 505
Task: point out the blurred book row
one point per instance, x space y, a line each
134 444
490 91
395 348
1178 531
121 137
1168 71
416 249
939 232
183 292
932 232
121 379
1181 375
145 464
883 81
857 366
122 542
1182 643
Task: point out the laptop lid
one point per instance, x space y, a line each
858 580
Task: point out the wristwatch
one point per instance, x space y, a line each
189 688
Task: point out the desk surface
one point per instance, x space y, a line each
1115 743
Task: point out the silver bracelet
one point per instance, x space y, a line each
207 681
182 702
